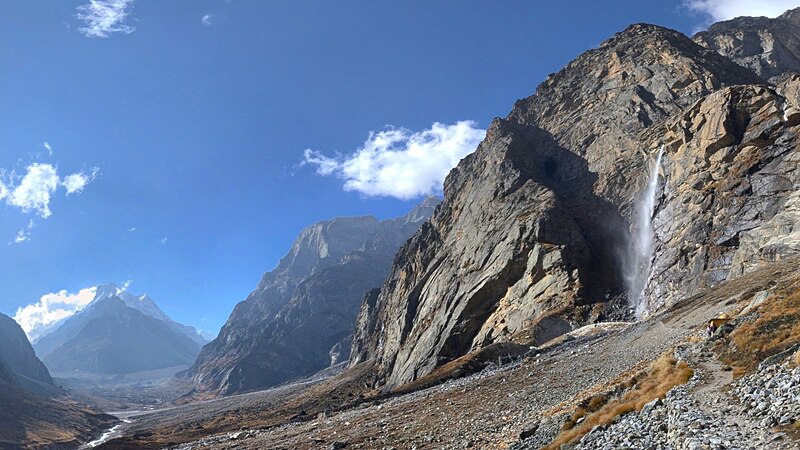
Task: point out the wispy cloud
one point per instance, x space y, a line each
4 190
47 147
105 17
717 10
38 318
206 20
74 183
124 287
399 163
163 240
24 234
132 229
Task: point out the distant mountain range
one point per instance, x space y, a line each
300 318
116 334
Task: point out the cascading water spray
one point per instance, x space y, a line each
785 107
642 248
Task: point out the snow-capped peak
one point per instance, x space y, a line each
141 303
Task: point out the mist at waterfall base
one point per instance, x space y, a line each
637 269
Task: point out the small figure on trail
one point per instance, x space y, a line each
712 328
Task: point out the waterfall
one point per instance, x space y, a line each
642 248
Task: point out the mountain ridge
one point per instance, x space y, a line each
557 181
21 365
302 309
100 339
767 46
497 325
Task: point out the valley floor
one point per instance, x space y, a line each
519 405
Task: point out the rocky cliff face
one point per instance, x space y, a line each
768 47
288 327
730 193
536 229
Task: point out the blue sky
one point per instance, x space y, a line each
178 131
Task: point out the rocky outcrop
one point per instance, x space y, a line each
532 236
601 103
288 327
769 47
502 251
729 199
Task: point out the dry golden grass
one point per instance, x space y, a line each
663 374
776 328
739 371
619 383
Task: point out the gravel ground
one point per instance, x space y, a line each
492 409
487 410
706 413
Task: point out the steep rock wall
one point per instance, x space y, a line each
533 235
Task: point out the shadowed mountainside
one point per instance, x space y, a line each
35 413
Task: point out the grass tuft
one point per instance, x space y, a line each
775 328
663 374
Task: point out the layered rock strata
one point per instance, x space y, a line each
534 234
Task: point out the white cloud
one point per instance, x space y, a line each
399 163
163 240
22 236
74 183
35 189
105 17
125 285
38 318
325 165
206 20
718 10
47 147
33 192
132 229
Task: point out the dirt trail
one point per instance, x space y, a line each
716 377
722 424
